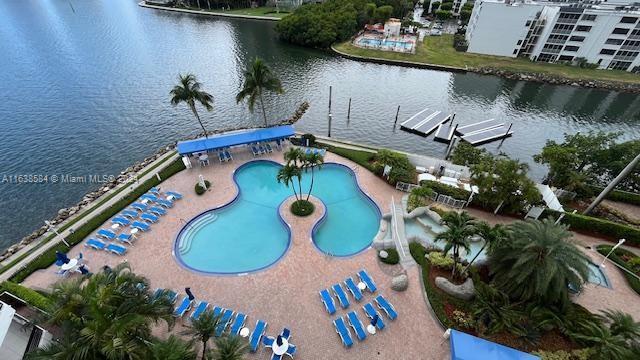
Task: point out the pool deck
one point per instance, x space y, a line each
286 294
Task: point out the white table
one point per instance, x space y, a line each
362 286
244 332
70 265
170 198
144 201
371 329
134 231
115 226
280 350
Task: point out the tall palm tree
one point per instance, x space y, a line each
258 78
622 324
460 227
296 157
311 161
491 236
229 347
537 263
286 174
108 315
173 348
188 91
203 328
604 344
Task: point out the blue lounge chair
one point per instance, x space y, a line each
183 307
291 350
164 203
286 333
356 325
126 238
139 206
262 149
224 321
371 313
255 150
327 300
176 195
198 310
221 157
217 311
257 333
142 226
149 197
274 356
353 289
155 190
169 294
131 214
157 210
386 306
95 243
238 324
268 341
117 249
121 220
343 331
106 234
342 297
227 154
365 278
268 146
149 217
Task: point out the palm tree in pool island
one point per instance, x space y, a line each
311 161
287 174
258 78
189 91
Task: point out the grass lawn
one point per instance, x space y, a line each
259 11
439 50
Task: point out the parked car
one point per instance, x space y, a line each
435 32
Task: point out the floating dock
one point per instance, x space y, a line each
486 135
478 127
444 133
424 125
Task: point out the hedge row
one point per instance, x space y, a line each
632 280
598 226
49 257
440 188
31 296
620 196
362 158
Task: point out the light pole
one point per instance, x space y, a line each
50 226
620 242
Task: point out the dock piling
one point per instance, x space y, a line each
397 113
349 110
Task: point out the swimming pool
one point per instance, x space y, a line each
379 42
249 235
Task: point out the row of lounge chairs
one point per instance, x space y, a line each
261 148
224 155
352 287
229 319
356 324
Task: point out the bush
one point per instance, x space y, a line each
438 259
577 354
401 168
30 296
200 190
393 257
598 226
440 188
634 283
447 6
617 195
308 137
302 208
362 158
49 257
443 15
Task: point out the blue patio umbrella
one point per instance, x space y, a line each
61 258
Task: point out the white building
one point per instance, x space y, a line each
603 33
17 335
392 27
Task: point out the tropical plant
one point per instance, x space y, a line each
287 174
312 161
491 237
229 347
106 316
492 310
537 263
460 227
173 348
258 78
605 344
296 157
189 91
203 328
466 154
622 324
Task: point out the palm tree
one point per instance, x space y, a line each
258 78
286 174
311 161
188 91
229 347
297 158
622 324
108 315
537 263
603 343
203 328
491 236
172 348
460 227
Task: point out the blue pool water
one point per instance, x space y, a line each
379 42
249 235
597 276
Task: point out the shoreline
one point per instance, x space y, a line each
210 13
631 88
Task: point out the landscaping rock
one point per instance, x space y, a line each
466 291
383 254
400 282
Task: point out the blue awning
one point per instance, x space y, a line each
239 138
468 347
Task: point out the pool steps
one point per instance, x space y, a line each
187 237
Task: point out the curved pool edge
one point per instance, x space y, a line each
287 226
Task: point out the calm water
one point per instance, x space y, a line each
248 234
85 92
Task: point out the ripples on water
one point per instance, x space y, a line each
86 92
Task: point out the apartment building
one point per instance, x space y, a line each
603 33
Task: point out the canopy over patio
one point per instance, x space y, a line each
468 347
237 138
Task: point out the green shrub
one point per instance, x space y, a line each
440 188
439 211
617 195
401 168
577 354
302 208
201 190
634 283
308 137
393 257
438 259
599 226
362 158
49 257
30 296
417 252
423 191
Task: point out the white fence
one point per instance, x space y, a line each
450 202
406 187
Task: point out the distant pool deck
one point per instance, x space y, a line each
401 44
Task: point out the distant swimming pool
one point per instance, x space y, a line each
248 234
379 42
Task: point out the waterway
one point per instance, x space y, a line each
85 91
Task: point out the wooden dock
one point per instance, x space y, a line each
479 126
444 133
425 124
487 135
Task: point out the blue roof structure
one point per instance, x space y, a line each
469 347
239 138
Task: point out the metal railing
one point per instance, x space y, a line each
406 187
